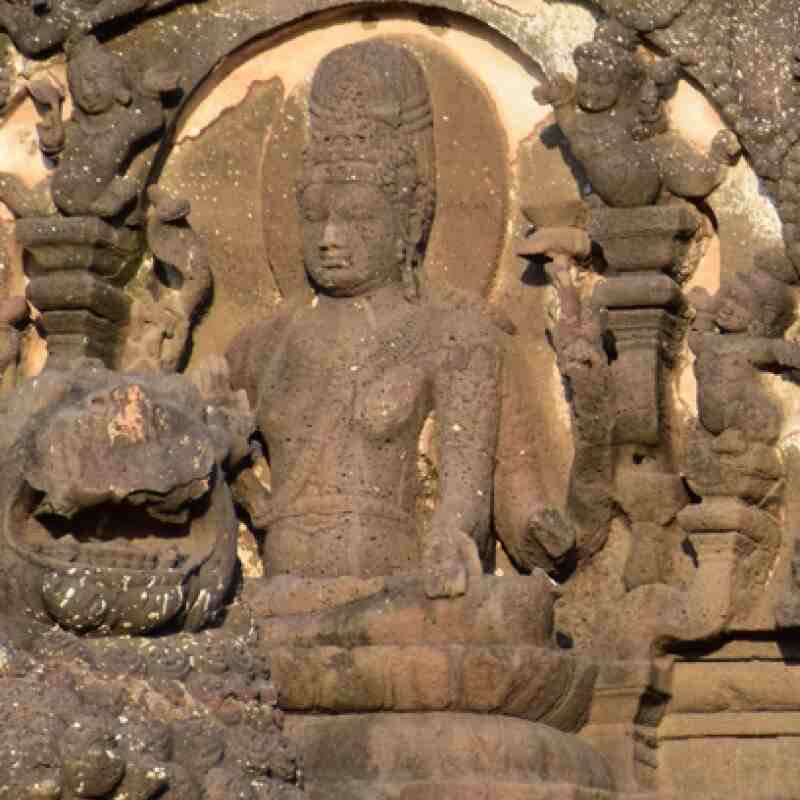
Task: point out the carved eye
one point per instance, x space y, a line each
314 214
313 204
358 212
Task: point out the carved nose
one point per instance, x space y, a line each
331 237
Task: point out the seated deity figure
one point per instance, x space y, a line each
380 623
343 386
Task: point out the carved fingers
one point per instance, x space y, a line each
452 560
212 378
550 531
168 208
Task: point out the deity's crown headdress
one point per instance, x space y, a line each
371 120
89 51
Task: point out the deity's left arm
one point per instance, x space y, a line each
769 352
467 403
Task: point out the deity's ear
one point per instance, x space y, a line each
414 228
123 96
401 248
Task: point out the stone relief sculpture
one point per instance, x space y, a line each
92 207
733 335
432 619
615 121
341 523
111 118
38 26
745 59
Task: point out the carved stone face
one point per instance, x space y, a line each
93 85
597 90
351 237
735 311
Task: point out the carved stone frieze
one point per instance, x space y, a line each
304 491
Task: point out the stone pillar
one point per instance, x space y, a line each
641 245
735 545
628 703
77 267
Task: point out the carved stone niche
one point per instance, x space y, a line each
380 640
408 667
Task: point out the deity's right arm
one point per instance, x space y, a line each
253 350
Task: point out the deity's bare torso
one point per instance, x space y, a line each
345 388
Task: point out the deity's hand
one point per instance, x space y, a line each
226 410
558 92
451 560
548 529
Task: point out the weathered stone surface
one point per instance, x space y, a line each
139 719
623 419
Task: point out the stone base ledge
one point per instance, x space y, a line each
737 724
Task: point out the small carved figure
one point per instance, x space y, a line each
616 125
37 26
164 309
735 334
112 116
